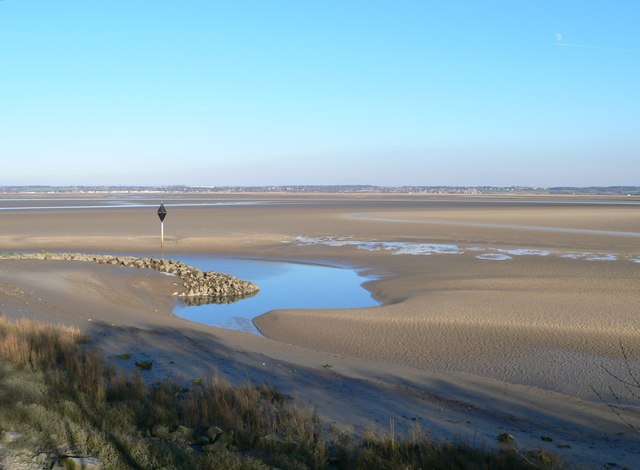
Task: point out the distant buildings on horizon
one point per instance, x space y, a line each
467 190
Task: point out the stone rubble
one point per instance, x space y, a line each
199 287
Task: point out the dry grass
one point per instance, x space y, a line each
417 450
61 396
26 343
39 347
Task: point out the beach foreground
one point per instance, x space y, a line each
498 315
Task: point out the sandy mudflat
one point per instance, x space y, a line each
498 315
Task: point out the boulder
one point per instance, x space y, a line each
81 463
160 431
182 434
213 432
11 436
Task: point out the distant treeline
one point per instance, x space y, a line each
594 190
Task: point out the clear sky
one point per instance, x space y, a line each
395 92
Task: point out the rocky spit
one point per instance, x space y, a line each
199 287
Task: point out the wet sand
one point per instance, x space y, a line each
470 346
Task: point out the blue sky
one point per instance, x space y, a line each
400 92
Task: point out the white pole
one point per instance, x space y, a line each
162 238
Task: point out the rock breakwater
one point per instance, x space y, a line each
199 287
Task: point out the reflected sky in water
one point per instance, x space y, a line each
283 285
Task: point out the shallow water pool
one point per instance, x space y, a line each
283 285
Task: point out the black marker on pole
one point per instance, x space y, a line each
162 213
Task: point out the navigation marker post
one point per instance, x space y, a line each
162 213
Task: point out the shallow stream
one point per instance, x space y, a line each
283 285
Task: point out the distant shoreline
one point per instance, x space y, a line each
628 191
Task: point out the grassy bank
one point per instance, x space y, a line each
62 398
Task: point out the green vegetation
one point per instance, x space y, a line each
505 438
63 398
144 365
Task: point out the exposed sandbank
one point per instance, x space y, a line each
501 344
